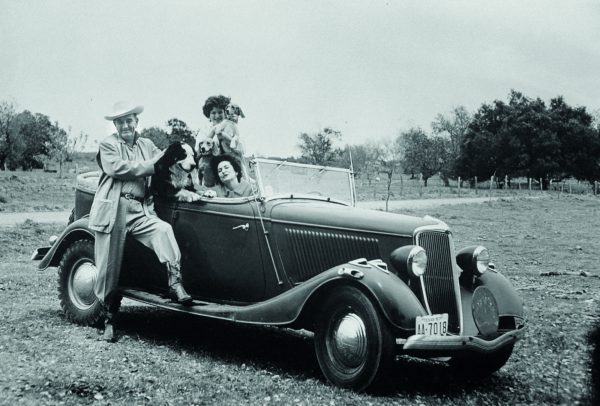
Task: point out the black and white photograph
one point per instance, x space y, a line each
309 202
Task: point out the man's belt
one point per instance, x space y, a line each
130 196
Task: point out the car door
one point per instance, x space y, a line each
220 246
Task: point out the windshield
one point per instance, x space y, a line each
280 177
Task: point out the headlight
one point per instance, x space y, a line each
481 257
473 260
417 260
410 260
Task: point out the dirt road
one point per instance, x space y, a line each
9 219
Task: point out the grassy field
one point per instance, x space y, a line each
42 191
36 190
170 359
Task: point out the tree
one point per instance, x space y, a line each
480 149
364 160
390 154
156 135
30 134
453 128
7 116
62 146
596 119
318 148
526 138
180 132
58 147
423 154
579 140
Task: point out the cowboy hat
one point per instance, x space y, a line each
121 109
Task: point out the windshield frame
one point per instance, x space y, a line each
255 163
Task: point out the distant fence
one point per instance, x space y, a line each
405 187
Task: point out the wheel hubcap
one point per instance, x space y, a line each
81 284
349 341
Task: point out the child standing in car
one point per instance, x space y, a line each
223 116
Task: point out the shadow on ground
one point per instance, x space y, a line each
285 351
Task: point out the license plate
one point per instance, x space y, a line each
434 325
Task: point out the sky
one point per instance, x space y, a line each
370 69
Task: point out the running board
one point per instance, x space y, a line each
239 314
282 310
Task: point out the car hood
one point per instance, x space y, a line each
334 215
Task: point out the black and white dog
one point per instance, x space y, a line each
174 174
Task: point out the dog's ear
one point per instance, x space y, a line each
240 112
174 153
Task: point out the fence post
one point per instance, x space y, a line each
458 186
420 185
529 179
475 184
570 188
595 187
491 184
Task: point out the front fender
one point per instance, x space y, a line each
77 230
509 302
394 298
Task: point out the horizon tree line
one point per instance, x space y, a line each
522 137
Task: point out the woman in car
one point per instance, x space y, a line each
229 178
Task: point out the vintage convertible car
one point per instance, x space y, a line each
371 285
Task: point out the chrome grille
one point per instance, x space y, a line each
438 280
315 251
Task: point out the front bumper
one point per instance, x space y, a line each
450 344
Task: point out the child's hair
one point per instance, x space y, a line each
219 101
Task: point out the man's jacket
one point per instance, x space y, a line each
116 168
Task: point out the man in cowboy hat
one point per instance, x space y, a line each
123 207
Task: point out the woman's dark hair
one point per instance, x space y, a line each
219 101
237 166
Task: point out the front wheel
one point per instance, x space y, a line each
76 278
353 343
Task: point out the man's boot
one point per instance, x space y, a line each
109 327
111 308
176 290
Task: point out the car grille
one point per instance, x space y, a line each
439 280
314 251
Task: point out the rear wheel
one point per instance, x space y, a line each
480 366
76 278
353 343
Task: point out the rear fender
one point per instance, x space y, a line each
77 230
